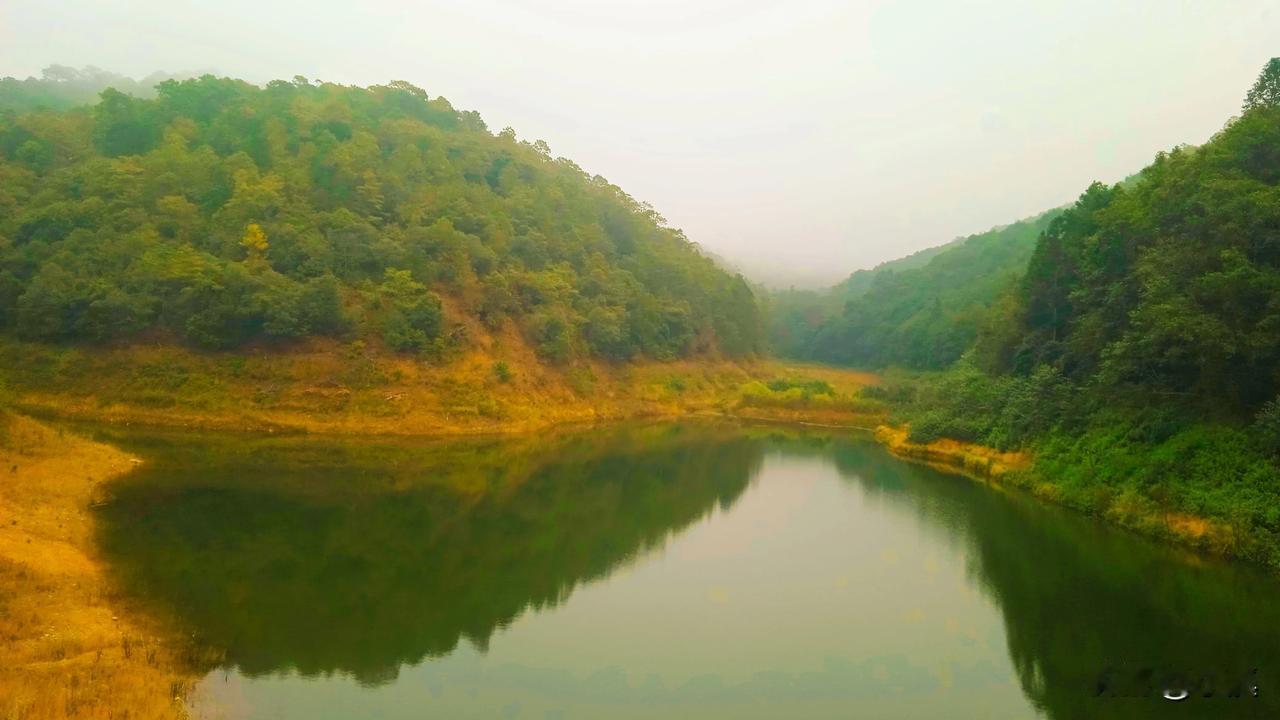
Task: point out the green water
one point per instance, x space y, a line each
680 571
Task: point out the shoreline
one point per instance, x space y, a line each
1016 469
71 623
719 401
325 388
72 647
969 459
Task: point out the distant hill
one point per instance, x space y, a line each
795 314
857 284
60 87
215 213
918 311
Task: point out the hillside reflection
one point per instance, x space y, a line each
325 557
1079 598
362 557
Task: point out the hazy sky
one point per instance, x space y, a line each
799 139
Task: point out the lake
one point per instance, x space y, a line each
703 570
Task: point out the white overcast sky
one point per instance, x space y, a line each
800 139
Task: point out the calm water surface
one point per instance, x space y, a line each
680 571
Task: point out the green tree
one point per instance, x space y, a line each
415 317
123 125
1265 92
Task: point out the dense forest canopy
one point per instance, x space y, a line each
219 213
1170 284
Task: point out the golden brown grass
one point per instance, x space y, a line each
334 388
68 648
968 458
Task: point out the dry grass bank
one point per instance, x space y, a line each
68 647
953 455
351 389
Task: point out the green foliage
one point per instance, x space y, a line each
1267 427
311 308
1202 469
1139 356
922 312
967 404
415 317
59 305
804 385
1118 455
804 394
502 372
220 213
123 126
796 315
581 379
1265 93
1172 284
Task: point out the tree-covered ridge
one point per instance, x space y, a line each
861 281
922 311
796 314
220 213
1139 354
1171 284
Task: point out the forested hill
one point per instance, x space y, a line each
796 314
219 213
1171 283
1138 351
921 311
857 284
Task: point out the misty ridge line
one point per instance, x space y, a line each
61 87
811 139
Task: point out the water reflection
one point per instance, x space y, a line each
1099 622
364 557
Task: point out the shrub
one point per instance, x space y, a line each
502 372
801 394
416 317
1266 427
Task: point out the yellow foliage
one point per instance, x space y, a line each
954 455
254 240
